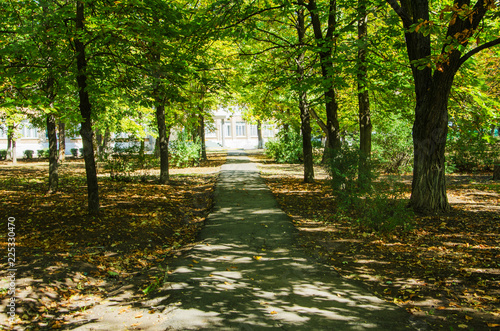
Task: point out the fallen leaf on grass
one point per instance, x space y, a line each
257 257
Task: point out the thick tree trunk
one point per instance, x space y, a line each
365 125
163 136
53 154
305 117
86 112
260 144
429 141
62 141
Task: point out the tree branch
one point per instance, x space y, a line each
249 16
401 13
476 50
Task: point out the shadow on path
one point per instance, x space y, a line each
246 274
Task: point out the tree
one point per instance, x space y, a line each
433 75
365 125
305 116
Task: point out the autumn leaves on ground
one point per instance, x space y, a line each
67 260
444 269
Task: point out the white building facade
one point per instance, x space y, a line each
228 129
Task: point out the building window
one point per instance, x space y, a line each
3 131
241 129
253 130
227 129
268 130
28 131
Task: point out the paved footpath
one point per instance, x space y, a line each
247 274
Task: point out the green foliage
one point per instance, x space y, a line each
3 154
379 209
471 149
393 144
43 153
286 147
28 154
185 152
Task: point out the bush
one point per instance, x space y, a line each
381 210
185 152
286 147
393 145
469 149
74 152
43 153
28 154
3 154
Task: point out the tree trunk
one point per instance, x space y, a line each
305 117
496 172
429 142
163 136
365 125
10 139
14 150
86 112
326 44
62 141
53 154
260 144
201 134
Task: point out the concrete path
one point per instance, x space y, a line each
246 274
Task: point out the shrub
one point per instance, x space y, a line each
382 210
286 147
471 149
185 152
3 154
74 152
43 153
29 154
393 145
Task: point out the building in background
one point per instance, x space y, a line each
228 129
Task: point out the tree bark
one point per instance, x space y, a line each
53 154
163 137
326 45
86 112
260 144
62 141
305 117
201 134
496 172
10 139
365 125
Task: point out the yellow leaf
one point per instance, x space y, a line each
257 257
273 312
194 261
468 317
493 325
463 326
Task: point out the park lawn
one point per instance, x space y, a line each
445 270
67 260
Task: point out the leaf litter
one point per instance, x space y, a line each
445 271
68 261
